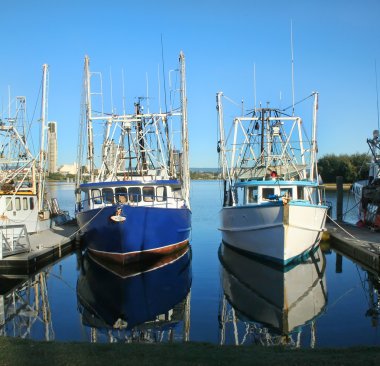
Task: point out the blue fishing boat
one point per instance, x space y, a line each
132 203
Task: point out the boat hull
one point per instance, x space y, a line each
142 234
274 231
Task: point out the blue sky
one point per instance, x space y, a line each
336 43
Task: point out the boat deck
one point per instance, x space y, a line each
45 247
360 244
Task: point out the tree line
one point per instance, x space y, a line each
351 167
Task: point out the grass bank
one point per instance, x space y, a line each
24 352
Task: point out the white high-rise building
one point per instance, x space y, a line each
52 147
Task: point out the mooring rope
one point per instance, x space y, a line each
340 227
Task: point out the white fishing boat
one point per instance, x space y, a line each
132 200
24 204
272 204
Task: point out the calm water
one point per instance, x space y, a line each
194 296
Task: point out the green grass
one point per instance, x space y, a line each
26 352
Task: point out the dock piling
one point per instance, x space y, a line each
339 198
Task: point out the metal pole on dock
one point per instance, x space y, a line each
339 198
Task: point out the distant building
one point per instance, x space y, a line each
52 147
68 169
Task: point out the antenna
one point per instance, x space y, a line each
254 84
377 98
9 101
159 87
292 52
147 90
122 79
163 71
112 111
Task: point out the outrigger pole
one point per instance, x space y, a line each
41 180
185 136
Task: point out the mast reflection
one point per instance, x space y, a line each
25 307
145 302
267 304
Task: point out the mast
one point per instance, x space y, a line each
262 136
41 180
313 155
185 137
140 134
221 142
90 138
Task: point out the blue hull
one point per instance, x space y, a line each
145 231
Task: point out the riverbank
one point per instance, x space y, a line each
332 186
21 352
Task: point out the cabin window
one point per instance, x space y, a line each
148 194
268 193
108 195
162 194
25 203
18 203
96 196
300 193
31 203
286 192
8 202
134 194
84 197
121 194
252 195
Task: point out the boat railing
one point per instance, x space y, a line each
14 240
129 199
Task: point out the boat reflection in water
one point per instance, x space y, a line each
270 305
25 307
144 302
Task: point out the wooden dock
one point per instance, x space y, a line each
359 244
45 247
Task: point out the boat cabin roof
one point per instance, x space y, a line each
274 182
124 183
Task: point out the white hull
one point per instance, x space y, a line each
275 231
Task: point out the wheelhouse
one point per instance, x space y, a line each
256 192
155 193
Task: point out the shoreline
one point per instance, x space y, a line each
332 186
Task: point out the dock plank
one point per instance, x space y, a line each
360 244
45 247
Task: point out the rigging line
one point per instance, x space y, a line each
302 100
364 164
362 282
232 101
347 211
